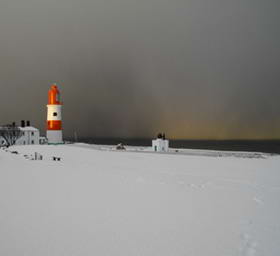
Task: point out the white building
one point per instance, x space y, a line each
160 144
31 135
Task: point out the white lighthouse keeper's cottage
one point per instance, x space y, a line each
30 135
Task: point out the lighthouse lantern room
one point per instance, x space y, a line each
54 119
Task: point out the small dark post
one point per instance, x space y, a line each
22 123
27 123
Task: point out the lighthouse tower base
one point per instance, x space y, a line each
54 137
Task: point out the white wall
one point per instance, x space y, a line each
160 145
29 138
54 109
54 137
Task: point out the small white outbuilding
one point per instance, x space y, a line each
161 144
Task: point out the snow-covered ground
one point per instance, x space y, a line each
96 201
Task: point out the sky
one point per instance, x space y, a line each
194 69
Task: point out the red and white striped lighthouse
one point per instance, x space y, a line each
54 121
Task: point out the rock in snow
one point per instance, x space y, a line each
102 202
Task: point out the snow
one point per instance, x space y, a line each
29 128
97 201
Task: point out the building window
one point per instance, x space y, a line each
54 113
24 143
32 133
32 141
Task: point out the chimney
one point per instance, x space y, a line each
27 123
14 124
22 123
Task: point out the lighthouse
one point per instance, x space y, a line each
54 119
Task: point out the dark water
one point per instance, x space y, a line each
268 146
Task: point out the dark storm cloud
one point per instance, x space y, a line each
194 68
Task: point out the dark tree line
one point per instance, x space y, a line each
10 133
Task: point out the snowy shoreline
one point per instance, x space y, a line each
180 151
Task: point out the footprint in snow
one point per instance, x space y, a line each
258 201
249 247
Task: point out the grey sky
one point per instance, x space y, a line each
127 68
